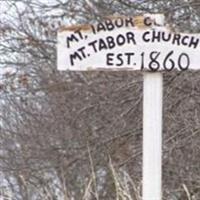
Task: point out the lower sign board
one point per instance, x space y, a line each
127 43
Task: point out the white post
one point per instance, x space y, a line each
152 136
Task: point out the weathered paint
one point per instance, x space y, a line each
127 43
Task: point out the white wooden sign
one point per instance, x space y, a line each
127 44
139 43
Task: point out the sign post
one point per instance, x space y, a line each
134 43
152 136
152 133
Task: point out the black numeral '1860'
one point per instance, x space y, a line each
168 63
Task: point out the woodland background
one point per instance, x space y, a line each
78 135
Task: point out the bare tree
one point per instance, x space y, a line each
59 129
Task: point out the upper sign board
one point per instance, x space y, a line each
127 43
